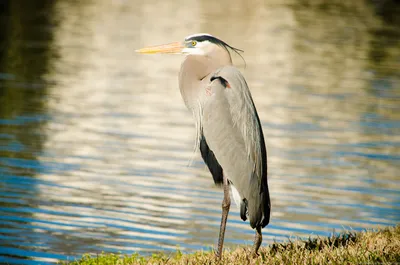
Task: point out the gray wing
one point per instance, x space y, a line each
232 130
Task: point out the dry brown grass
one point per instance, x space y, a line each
372 247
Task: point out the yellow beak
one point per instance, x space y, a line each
172 48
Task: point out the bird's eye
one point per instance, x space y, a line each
194 43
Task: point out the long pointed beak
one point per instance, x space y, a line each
174 48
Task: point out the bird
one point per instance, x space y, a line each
228 129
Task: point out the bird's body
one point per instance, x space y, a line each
224 121
228 129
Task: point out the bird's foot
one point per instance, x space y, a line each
218 254
255 254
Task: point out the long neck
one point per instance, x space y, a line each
195 68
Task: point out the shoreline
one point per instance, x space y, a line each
366 247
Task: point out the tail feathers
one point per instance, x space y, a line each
259 210
266 206
266 217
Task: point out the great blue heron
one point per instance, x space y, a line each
229 132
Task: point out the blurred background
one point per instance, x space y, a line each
95 141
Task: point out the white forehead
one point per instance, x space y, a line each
198 34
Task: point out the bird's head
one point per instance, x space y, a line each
197 44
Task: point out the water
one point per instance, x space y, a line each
95 140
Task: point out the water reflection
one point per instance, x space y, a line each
95 140
26 38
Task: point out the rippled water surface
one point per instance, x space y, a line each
95 140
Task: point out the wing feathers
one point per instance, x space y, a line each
244 117
211 162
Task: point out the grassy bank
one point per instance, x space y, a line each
372 247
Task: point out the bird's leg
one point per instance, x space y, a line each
257 241
226 203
